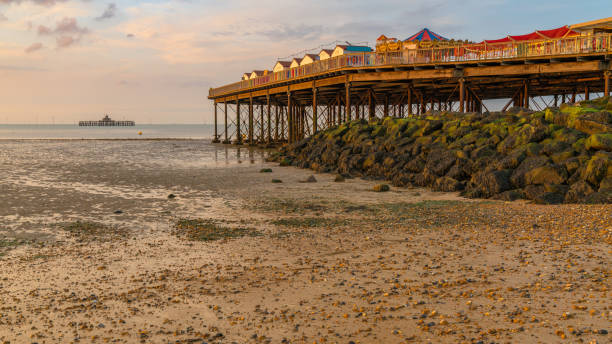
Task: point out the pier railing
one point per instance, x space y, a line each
579 45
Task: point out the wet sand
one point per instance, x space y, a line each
326 262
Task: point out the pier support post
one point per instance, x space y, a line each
251 131
225 112
371 105
556 100
461 95
238 134
269 115
276 122
216 138
338 110
409 101
347 105
386 112
526 95
289 117
315 108
587 94
607 83
261 124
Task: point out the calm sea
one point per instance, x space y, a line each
72 131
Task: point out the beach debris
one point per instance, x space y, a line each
381 188
265 170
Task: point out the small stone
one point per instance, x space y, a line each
381 188
310 179
339 179
118 212
276 181
265 170
171 196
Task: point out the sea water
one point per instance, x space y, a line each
140 131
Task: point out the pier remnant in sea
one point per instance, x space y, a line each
106 122
544 68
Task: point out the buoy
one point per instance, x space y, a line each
140 133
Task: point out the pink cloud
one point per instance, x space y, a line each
34 47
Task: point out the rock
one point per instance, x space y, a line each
596 169
601 141
118 212
578 191
448 184
310 179
605 184
265 170
510 195
381 188
285 162
276 181
171 196
590 126
493 182
548 174
518 175
549 198
339 178
599 198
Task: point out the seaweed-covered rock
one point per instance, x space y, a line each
557 155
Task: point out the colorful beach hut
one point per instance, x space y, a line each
281 66
256 73
309 58
350 49
295 63
325 54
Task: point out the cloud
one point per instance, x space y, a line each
63 27
109 13
38 2
67 30
34 47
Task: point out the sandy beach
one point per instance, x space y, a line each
93 249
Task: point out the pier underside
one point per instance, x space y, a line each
291 110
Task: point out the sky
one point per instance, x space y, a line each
154 61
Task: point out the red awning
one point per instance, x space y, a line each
558 33
528 37
493 41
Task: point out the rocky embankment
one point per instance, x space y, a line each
560 155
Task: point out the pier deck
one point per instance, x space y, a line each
290 105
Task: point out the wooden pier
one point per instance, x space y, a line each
286 107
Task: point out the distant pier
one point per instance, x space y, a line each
107 122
